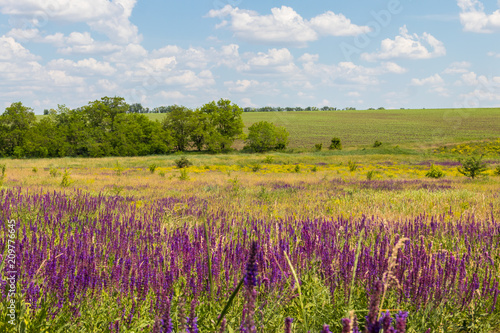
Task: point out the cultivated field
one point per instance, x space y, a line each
247 242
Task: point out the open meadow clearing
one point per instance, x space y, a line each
136 244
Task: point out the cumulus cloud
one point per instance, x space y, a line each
409 46
474 18
108 17
85 67
433 80
273 61
457 68
240 86
284 25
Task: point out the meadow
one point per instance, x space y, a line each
323 241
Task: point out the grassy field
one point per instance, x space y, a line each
421 128
135 244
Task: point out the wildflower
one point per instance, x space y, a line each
288 325
346 325
401 321
326 329
248 324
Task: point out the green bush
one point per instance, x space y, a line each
370 174
472 167
152 167
53 172
352 166
184 174
269 160
377 144
66 179
335 144
264 136
435 172
497 170
256 167
318 146
183 162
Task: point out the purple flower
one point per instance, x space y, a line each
288 325
401 321
326 329
346 325
386 321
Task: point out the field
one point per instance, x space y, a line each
276 242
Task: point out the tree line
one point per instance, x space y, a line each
107 127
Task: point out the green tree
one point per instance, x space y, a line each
265 136
15 123
472 167
225 118
179 123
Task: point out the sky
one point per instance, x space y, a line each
360 53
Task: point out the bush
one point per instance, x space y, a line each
53 172
66 180
183 163
336 144
352 166
318 146
269 160
264 136
184 175
256 167
377 144
472 167
435 172
370 174
152 167
497 170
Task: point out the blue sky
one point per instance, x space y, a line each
363 53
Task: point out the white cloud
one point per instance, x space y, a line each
284 25
88 66
433 80
408 46
108 17
333 24
190 79
240 86
273 61
474 18
494 54
457 68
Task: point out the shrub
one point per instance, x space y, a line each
161 173
184 174
66 179
118 169
256 167
265 136
314 169
53 172
497 170
370 174
269 160
297 168
435 172
183 162
352 166
318 146
35 169
472 167
377 144
152 167
335 144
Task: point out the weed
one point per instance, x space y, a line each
297 169
314 169
66 179
53 172
153 167
318 146
435 172
335 144
370 174
269 160
256 167
352 166
35 169
184 174
161 173
377 144
183 162
118 169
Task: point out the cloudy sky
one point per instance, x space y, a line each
362 53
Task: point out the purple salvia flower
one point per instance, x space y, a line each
288 325
386 321
326 329
251 293
223 326
346 325
401 321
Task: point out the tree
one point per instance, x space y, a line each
225 119
264 136
15 123
472 167
179 122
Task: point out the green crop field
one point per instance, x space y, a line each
425 127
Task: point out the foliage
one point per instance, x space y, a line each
183 162
152 167
184 174
66 179
377 144
435 172
318 146
472 167
335 144
264 136
352 166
